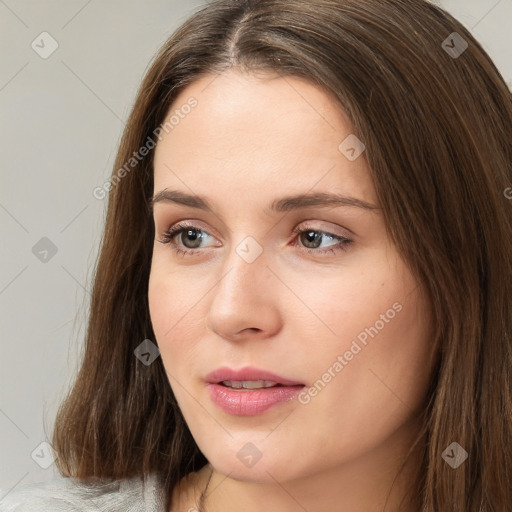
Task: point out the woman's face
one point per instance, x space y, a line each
269 283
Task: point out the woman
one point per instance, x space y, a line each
302 296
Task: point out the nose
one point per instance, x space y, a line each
245 301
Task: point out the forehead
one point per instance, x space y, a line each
259 133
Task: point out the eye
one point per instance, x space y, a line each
190 237
184 231
311 238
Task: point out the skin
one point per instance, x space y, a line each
252 139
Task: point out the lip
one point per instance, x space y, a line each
248 373
245 402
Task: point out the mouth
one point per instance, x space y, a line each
249 384
248 377
250 391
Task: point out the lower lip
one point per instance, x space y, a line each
250 402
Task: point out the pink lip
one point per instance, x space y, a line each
243 402
247 373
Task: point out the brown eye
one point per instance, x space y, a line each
311 240
190 235
183 235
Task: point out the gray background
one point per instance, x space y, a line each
61 122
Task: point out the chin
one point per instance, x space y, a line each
257 474
243 461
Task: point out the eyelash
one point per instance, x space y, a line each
169 236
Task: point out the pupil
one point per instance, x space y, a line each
193 234
311 238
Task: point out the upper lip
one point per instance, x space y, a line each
247 373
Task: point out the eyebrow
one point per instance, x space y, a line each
285 204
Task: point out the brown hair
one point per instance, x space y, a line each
437 129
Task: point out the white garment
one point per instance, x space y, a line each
62 494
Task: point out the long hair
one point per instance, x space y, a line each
436 118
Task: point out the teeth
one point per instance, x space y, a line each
249 384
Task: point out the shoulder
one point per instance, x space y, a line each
62 494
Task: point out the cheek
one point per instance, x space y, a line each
384 379
375 372
348 302
172 318
160 296
403 360
172 296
